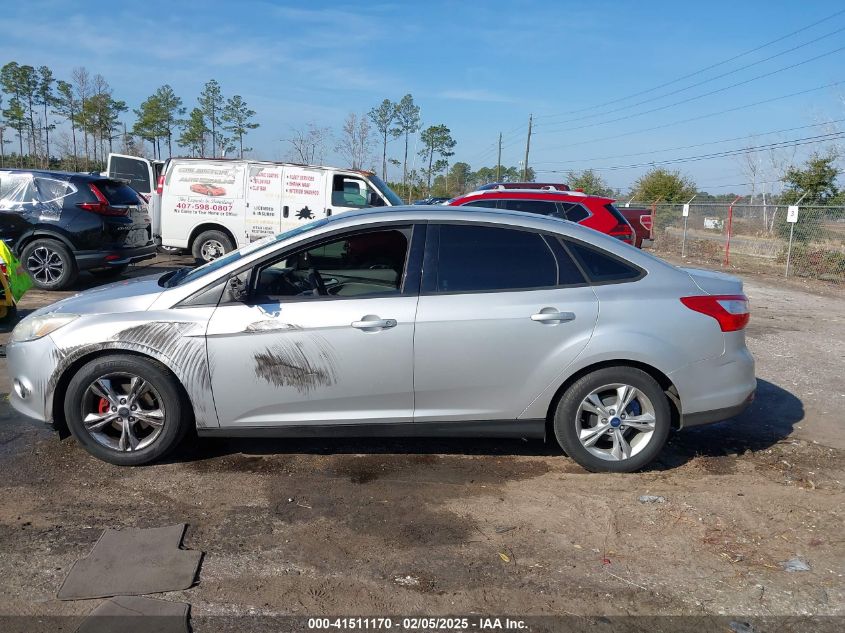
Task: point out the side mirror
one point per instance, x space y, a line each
375 200
236 290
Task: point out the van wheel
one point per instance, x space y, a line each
50 264
615 419
125 410
210 245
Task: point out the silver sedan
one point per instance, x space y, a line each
409 321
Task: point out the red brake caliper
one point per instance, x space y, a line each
103 407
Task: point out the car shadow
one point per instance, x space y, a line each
769 419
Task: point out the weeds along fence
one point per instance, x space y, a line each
754 236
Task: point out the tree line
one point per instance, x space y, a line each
33 102
362 133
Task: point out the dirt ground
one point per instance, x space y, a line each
385 527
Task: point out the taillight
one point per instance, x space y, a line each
160 185
731 311
622 232
102 206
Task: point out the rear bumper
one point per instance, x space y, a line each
718 388
115 257
716 415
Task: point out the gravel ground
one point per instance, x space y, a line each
379 527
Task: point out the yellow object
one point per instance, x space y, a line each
17 279
6 300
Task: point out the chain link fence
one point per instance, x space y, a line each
754 237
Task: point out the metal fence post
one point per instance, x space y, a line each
730 228
789 248
684 238
791 230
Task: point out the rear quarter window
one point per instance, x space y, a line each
602 267
574 212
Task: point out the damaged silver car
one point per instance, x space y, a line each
410 321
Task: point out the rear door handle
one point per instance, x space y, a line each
552 316
371 323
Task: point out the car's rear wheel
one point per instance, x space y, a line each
50 264
125 410
210 245
615 419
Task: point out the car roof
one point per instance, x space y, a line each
441 213
64 175
541 194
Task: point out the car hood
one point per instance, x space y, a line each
131 295
713 282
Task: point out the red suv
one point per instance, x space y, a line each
593 211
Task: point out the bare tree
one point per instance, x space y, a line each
82 85
355 140
308 145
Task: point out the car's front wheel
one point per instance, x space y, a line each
615 419
125 410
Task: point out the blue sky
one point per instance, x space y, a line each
478 67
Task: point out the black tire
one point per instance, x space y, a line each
567 424
209 242
176 416
169 250
62 271
106 273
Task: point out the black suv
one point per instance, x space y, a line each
60 223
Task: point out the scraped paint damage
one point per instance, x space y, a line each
293 364
177 344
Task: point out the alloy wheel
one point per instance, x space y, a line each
615 422
123 412
45 265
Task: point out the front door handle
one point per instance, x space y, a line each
550 315
373 323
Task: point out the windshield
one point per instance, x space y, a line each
187 275
386 191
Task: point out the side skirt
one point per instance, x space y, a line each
534 429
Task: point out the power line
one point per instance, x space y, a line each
700 83
832 136
703 116
705 69
696 97
673 149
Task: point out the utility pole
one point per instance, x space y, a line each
527 148
499 160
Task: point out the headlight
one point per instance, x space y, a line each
35 327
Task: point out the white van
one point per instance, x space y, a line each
212 206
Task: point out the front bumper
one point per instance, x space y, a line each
86 260
31 364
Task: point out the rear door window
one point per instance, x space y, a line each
482 259
540 207
602 267
485 203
